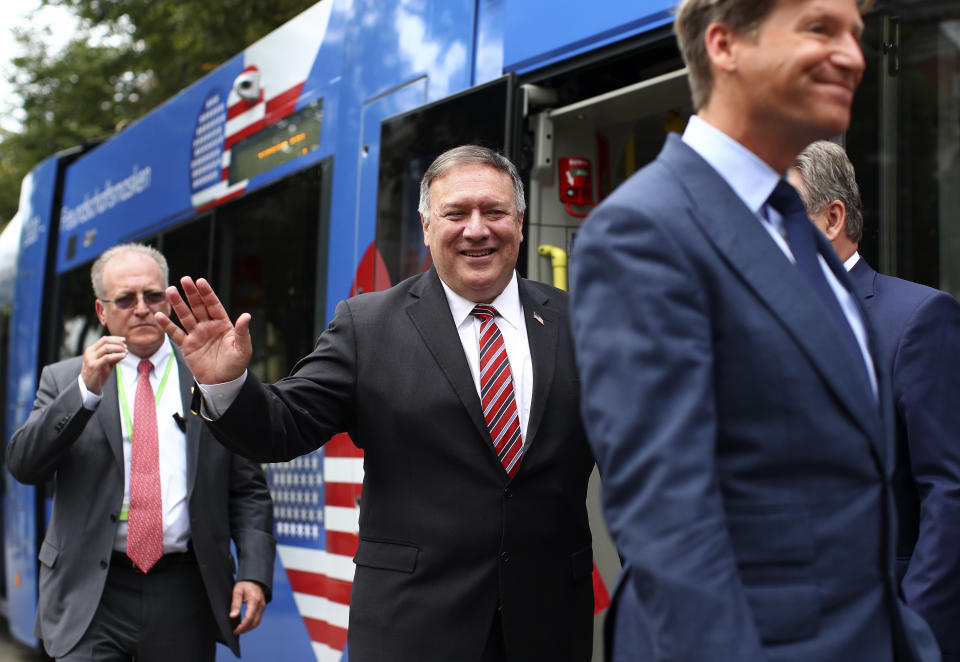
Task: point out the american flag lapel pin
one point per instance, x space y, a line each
537 317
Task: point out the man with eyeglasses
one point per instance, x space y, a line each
136 561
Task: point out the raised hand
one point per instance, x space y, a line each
99 359
215 350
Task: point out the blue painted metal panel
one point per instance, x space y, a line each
488 52
19 504
432 38
540 32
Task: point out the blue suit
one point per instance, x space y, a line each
746 465
919 332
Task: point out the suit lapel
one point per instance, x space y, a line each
430 314
108 415
739 237
864 280
542 339
873 341
864 283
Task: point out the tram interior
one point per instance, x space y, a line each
616 133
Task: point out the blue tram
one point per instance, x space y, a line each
289 178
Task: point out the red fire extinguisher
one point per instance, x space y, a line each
575 184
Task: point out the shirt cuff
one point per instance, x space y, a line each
89 400
217 398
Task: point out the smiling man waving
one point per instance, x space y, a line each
459 385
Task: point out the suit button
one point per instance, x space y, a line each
504 557
113 517
104 564
508 493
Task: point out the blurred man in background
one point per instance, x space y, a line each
919 335
136 561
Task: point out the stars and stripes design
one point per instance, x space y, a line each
282 62
317 520
241 120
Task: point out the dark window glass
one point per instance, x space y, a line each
187 249
905 141
80 326
265 263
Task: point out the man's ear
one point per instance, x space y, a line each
720 42
425 223
836 215
98 306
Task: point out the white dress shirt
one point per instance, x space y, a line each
172 446
753 181
849 263
514 331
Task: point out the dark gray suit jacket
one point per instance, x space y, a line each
444 534
747 467
81 450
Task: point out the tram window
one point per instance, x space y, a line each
79 324
265 263
187 249
929 149
905 141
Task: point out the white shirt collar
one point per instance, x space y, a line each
131 360
507 304
849 263
747 174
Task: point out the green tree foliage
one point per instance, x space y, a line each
127 57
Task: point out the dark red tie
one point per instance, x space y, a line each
496 392
145 531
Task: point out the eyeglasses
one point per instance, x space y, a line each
128 301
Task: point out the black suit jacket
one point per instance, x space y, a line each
82 451
919 332
444 534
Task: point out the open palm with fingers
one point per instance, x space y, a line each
216 350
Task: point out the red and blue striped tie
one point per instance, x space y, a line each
496 392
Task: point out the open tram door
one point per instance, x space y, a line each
579 153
